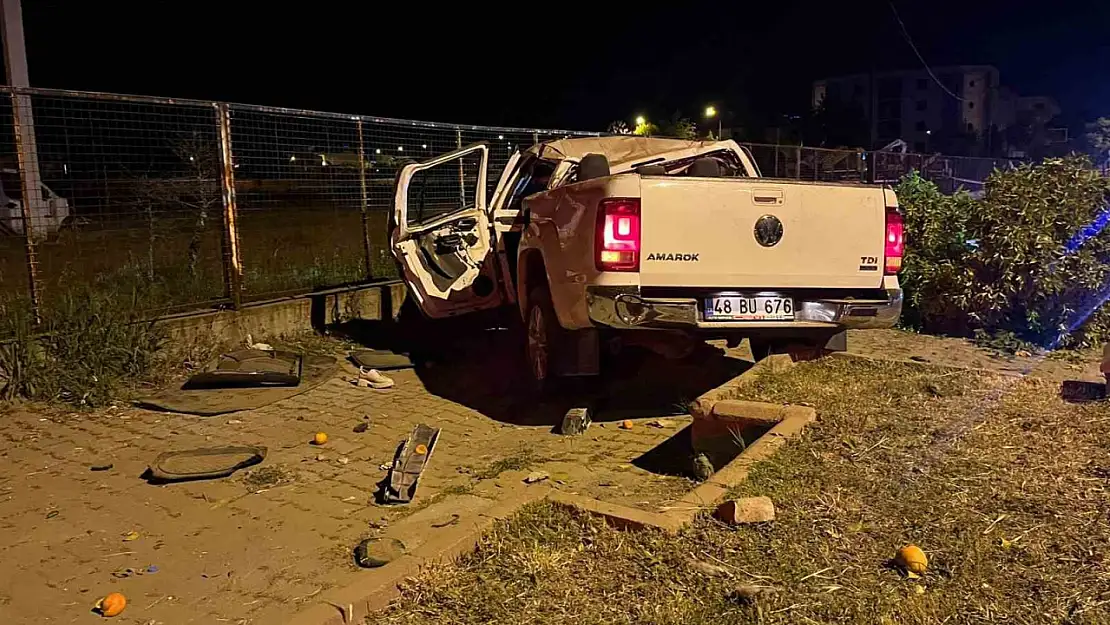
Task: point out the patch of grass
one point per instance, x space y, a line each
516 462
1000 482
267 477
90 345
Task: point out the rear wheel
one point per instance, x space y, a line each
542 337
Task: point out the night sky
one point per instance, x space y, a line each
592 65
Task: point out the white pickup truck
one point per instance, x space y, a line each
658 242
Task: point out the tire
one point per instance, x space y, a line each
542 335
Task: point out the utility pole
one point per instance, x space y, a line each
15 62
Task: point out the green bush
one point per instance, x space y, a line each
1026 261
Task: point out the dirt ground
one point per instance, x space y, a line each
258 546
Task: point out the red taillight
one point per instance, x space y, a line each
893 245
617 239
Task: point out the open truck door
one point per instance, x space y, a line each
441 234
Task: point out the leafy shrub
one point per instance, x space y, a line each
1029 259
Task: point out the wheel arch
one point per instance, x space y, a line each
531 272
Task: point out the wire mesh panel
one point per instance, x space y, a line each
298 193
128 198
13 243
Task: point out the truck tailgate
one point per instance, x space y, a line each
701 232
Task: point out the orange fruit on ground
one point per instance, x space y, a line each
320 439
626 424
112 604
421 449
913 559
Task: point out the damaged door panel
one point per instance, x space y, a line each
442 237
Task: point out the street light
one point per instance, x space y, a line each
640 121
710 113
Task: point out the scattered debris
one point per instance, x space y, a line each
321 438
343 460
1079 391
746 510
111 605
124 573
746 594
361 427
918 589
101 467
660 423
203 463
1022 353
130 536
536 476
626 424
912 559
919 359
702 467
52 514
234 422
198 399
372 378
383 467
374 552
380 359
321 458
250 368
153 568
575 421
411 459
453 520
706 568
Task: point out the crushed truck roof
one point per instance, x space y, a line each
620 150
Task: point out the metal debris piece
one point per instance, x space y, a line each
374 552
575 421
204 463
536 476
409 464
250 368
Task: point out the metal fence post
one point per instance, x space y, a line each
27 154
535 138
364 202
462 176
233 263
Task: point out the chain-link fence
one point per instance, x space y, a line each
199 204
828 165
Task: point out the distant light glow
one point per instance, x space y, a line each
400 148
378 151
501 137
293 159
424 146
710 111
640 120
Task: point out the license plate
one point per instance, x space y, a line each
745 308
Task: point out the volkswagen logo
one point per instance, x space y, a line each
768 230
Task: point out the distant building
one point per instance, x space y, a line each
912 106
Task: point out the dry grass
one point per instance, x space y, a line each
1000 482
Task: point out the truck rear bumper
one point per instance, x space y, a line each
624 308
